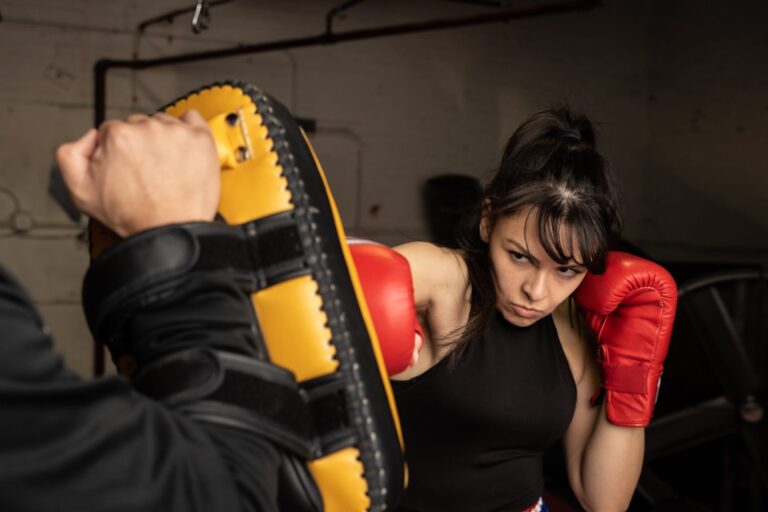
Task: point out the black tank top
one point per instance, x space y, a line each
475 432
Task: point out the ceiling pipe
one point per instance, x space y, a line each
102 66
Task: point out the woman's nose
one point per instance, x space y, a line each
535 286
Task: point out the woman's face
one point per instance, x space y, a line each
529 284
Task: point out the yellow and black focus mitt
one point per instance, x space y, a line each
280 235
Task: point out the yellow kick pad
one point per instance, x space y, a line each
337 492
256 139
299 329
252 184
292 314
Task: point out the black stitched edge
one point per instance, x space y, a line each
336 319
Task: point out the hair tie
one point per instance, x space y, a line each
569 133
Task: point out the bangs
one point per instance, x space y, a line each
571 199
567 232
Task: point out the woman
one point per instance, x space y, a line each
506 369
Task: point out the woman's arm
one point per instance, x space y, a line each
631 309
435 270
603 460
441 294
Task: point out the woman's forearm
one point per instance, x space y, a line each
610 466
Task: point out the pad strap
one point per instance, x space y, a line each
308 419
234 390
146 268
328 404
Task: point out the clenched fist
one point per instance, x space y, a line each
144 172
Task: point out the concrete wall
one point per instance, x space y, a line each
392 112
707 171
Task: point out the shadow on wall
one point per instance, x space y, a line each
446 199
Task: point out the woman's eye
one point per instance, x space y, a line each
518 256
568 272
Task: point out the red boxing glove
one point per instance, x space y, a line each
388 288
631 309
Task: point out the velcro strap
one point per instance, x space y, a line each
276 249
264 252
329 407
234 390
146 267
625 379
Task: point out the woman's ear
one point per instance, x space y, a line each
485 221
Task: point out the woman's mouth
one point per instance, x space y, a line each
524 312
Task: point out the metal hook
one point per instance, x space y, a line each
202 17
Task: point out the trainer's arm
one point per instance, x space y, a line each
68 444
71 444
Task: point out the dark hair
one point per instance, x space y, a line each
551 165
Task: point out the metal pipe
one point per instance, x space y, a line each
100 91
354 35
102 66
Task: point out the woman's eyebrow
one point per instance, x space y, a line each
521 249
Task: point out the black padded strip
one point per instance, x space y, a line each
236 390
281 404
328 404
275 249
220 252
180 377
376 436
268 251
258 254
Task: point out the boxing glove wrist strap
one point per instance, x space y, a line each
625 379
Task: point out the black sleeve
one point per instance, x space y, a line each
70 444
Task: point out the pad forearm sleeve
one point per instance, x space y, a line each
164 298
155 272
311 318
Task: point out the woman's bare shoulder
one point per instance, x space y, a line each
435 269
429 253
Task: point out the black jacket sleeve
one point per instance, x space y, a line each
70 444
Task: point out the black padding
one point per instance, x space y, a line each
235 390
138 260
328 404
276 249
140 270
143 268
367 401
181 377
296 489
